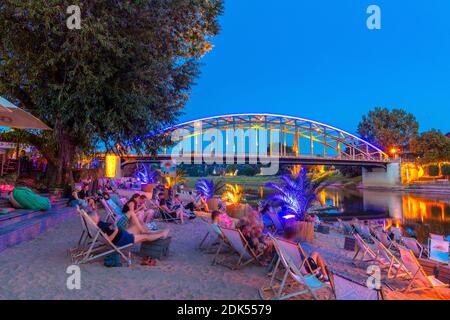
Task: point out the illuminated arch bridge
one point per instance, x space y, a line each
262 137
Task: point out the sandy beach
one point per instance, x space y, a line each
37 270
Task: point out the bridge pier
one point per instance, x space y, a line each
382 177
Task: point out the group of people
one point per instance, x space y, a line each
134 217
253 227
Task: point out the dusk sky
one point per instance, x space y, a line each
318 60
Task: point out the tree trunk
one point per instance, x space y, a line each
66 153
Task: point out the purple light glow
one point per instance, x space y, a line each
288 216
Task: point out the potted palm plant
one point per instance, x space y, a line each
294 195
232 197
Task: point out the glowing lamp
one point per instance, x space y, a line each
288 216
111 162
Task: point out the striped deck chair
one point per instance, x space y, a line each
413 245
309 283
276 222
346 289
234 239
396 268
100 245
364 250
419 280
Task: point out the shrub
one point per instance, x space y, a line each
433 170
445 169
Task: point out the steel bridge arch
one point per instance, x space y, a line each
336 143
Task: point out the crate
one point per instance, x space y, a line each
323 229
444 273
349 244
430 267
155 249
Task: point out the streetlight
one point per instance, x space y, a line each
394 152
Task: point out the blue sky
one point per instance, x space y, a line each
317 60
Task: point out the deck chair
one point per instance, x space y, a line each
384 239
345 227
309 282
397 234
166 217
363 231
364 250
211 233
276 222
419 280
83 242
413 245
100 245
298 256
346 289
396 268
234 239
436 236
110 214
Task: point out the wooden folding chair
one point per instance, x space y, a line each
100 245
419 280
309 283
234 239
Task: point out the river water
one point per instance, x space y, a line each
421 212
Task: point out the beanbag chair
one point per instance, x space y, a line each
13 201
27 199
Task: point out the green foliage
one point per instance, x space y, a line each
433 170
127 72
431 146
386 128
445 169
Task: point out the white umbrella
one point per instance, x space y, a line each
13 117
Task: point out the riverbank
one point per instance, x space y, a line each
423 188
37 270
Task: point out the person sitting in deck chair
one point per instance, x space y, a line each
252 227
166 207
120 237
144 214
75 199
200 203
129 220
315 263
177 203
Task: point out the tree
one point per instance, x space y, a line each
126 72
385 129
431 146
